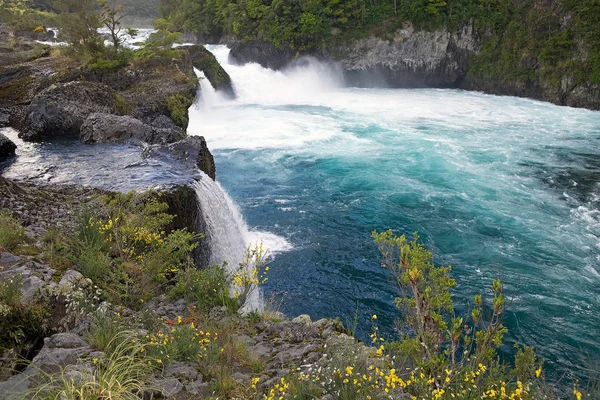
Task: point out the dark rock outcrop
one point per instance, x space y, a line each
100 128
192 149
205 61
262 52
61 109
7 147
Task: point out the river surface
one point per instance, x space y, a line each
495 186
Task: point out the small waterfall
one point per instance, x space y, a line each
226 231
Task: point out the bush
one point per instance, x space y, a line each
126 249
437 334
11 232
207 287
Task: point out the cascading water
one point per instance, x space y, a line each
226 230
494 185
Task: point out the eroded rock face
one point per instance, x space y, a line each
7 147
61 109
412 59
101 127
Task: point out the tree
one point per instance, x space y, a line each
112 14
79 22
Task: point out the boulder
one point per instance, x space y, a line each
59 351
61 109
7 147
102 127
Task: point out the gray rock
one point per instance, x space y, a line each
70 277
198 388
103 127
194 150
7 147
182 371
168 387
59 351
414 58
31 283
7 259
302 319
61 109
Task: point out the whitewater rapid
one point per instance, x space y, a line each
496 186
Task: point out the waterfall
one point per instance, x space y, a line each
226 231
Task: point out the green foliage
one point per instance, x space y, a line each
160 44
435 334
22 324
126 250
11 231
79 22
22 15
106 331
207 287
178 104
56 249
122 106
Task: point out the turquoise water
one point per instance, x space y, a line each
496 186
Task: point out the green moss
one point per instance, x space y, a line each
178 104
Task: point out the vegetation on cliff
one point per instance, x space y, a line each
527 40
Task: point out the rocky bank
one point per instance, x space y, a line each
414 58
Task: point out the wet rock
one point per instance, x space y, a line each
192 149
61 109
102 127
7 147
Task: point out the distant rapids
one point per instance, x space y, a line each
495 186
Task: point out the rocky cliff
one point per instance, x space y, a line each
413 58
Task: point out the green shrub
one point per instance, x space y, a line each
206 287
178 105
127 251
11 232
105 331
57 249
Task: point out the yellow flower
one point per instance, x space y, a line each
374 316
577 394
538 372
